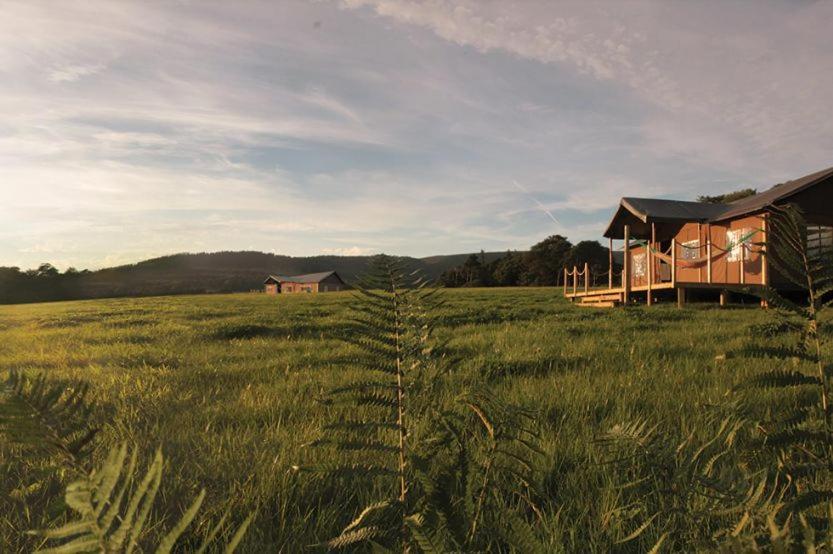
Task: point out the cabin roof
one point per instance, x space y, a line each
307 278
640 213
778 193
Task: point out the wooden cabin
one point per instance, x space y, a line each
327 281
672 246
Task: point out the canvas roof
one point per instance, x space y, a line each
668 215
307 278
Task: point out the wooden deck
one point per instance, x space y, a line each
612 297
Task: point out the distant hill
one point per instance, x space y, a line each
202 273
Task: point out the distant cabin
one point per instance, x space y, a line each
327 281
672 245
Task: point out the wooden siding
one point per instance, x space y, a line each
330 284
724 270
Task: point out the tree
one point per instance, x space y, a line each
47 271
474 271
728 197
546 260
592 253
508 270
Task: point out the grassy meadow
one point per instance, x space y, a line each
227 386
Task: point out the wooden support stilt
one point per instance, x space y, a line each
681 297
724 298
626 267
565 281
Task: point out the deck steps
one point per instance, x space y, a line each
610 297
600 304
601 300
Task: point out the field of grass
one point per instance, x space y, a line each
226 385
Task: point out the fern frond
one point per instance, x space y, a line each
111 520
360 446
37 414
428 540
782 378
363 534
360 426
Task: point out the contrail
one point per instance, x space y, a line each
540 205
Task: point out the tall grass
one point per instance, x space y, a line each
226 386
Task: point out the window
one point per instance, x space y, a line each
639 263
819 241
325 288
690 250
736 240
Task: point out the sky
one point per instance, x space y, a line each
130 130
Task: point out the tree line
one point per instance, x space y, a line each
542 265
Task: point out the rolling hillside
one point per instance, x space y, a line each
202 273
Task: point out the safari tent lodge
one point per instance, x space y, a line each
327 281
672 245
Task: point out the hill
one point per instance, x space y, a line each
193 274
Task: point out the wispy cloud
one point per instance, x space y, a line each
134 129
71 73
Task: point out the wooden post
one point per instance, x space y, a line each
673 262
586 277
741 264
626 267
681 297
764 268
565 281
709 252
699 251
575 280
649 257
610 264
724 298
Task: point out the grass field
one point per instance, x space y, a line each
226 386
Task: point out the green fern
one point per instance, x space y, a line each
448 468
389 327
790 406
48 428
679 492
114 506
46 419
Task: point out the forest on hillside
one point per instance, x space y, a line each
542 265
225 272
218 272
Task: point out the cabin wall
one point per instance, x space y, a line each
691 235
726 267
271 288
692 241
289 288
331 284
639 266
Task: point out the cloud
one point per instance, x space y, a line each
72 73
349 251
726 91
141 129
